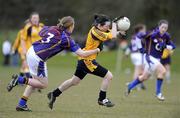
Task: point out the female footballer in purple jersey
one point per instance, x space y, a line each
155 43
136 54
54 40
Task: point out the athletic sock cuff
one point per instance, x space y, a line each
56 92
26 80
24 98
160 79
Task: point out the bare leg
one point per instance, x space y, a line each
28 91
106 81
137 71
102 100
138 80
68 83
168 73
33 83
38 82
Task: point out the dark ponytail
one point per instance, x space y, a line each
100 19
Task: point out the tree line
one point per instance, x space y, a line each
13 13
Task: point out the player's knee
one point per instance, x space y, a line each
144 77
109 75
44 85
163 72
75 81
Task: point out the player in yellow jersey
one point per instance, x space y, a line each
99 33
166 61
17 47
30 34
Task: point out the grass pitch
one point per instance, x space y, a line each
81 101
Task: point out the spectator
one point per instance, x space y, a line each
6 50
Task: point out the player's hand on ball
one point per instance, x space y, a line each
98 50
117 18
123 33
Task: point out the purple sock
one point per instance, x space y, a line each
134 83
158 85
21 80
22 102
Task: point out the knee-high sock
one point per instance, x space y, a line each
23 101
102 95
134 83
158 85
56 92
22 80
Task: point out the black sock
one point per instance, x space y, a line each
56 92
102 95
21 74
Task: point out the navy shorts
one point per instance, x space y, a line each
166 61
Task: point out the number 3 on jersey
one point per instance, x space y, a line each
47 40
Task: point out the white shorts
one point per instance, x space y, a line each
137 58
36 66
152 67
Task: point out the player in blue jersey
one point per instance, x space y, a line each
154 44
136 54
54 40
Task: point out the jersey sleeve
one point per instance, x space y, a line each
141 35
73 46
138 43
44 31
169 43
103 36
154 34
25 31
17 41
41 24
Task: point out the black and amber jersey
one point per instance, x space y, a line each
94 39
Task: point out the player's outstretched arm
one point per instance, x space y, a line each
86 53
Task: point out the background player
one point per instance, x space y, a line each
54 40
155 43
137 52
166 61
29 34
18 48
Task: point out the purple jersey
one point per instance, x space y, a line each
153 42
136 42
53 41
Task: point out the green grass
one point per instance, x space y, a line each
81 101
